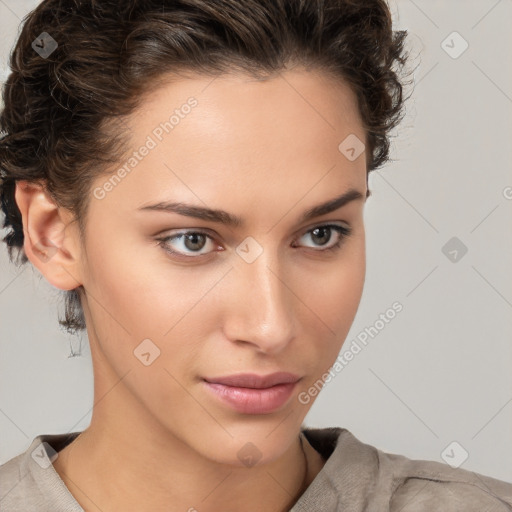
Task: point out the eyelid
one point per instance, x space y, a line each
346 231
207 231
315 225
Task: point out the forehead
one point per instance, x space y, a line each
247 138
319 99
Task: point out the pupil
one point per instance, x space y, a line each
193 237
323 230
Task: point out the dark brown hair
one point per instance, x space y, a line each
60 110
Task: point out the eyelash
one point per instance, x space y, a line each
343 231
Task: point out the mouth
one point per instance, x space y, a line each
251 393
252 380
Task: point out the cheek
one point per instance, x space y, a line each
138 289
351 285
334 289
334 297
139 305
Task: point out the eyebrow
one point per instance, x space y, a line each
223 217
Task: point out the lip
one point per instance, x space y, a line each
252 380
253 394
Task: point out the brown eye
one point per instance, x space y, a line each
194 241
189 244
322 235
186 243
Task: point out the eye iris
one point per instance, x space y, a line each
324 230
193 237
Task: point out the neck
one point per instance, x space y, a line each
104 466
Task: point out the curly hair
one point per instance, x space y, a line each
62 111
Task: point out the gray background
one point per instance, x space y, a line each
440 371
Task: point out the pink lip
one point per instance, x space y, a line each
251 380
254 394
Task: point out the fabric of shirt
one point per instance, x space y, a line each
356 477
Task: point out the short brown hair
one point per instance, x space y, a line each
59 111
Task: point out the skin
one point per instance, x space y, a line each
266 151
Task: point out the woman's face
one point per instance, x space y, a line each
270 294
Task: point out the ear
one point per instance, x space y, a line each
50 236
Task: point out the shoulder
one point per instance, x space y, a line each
411 485
363 477
10 477
17 483
29 482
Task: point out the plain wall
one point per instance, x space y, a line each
440 370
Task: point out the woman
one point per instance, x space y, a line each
194 175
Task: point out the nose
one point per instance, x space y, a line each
263 309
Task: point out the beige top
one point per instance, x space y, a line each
355 478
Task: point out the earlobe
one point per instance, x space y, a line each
50 241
